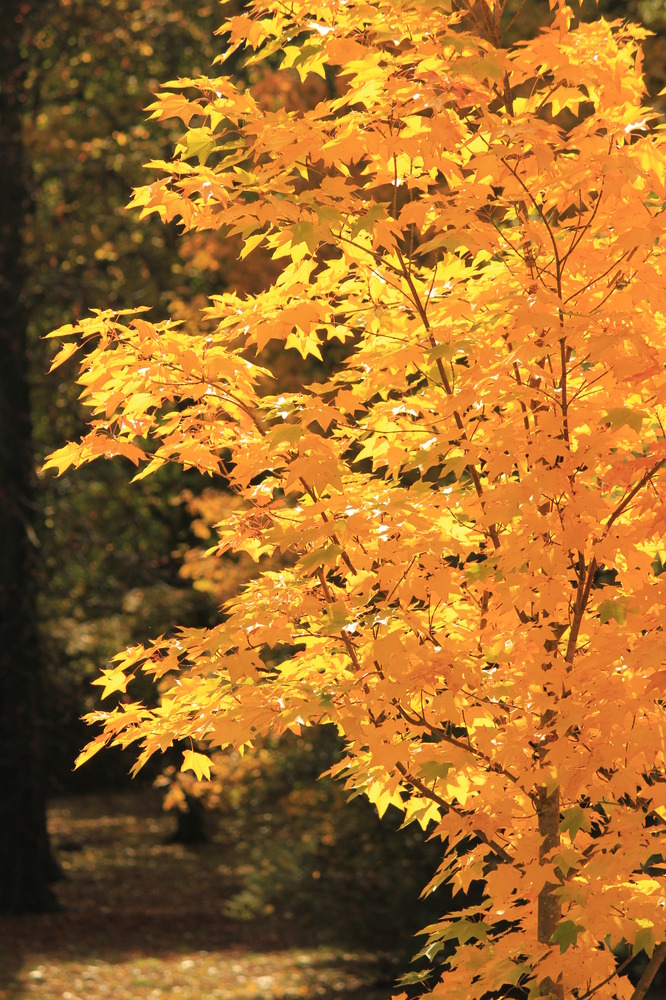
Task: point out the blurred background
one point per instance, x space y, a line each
266 882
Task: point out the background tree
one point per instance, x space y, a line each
25 865
108 571
64 239
107 568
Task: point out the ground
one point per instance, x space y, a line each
145 920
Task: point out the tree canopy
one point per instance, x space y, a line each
467 499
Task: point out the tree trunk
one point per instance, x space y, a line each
25 860
549 910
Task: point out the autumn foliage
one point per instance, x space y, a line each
463 516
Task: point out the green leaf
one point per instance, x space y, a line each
197 142
304 232
487 68
449 351
465 930
367 221
320 557
612 610
478 571
567 859
432 770
574 819
411 978
644 941
566 934
444 241
291 433
618 416
336 618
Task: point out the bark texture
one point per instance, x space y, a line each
549 908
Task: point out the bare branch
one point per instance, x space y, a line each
651 970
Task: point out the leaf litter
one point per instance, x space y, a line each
143 919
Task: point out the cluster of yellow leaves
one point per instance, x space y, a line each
469 508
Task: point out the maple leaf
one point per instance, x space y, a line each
112 681
197 762
566 934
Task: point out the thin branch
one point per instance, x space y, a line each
444 737
581 231
401 580
334 538
513 19
538 208
632 493
593 281
446 807
583 589
608 979
530 264
416 301
651 970
564 403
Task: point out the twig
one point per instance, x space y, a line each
451 807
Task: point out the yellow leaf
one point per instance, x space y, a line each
65 352
197 762
112 680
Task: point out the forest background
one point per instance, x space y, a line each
110 564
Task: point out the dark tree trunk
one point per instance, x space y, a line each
190 823
25 859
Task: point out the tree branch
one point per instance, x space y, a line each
651 970
445 806
632 493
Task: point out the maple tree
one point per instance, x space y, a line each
468 507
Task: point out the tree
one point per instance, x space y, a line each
25 862
84 142
61 158
469 507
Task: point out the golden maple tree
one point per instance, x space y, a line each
469 507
